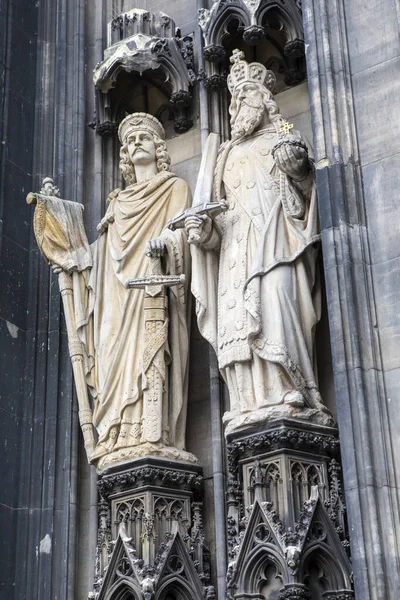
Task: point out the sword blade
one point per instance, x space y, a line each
203 191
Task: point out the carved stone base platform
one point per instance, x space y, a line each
130 453
287 533
150 537
235 421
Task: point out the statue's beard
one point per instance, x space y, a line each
246 120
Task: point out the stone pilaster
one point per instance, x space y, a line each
347 84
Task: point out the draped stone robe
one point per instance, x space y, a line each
255 283
110 318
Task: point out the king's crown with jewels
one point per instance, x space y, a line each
254 72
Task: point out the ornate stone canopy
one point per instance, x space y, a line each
144 52
141 41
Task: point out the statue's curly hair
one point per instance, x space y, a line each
128 169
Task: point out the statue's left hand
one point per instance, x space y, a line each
56 269
155 248
293 161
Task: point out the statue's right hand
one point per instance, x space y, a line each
198 229
155 248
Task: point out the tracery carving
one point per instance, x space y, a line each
157 531
257 23
290 530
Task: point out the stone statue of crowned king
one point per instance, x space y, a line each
255 275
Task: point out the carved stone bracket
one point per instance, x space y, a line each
254 35
148 471
284 434
285 501
215 82
294 48
141 42
214 53
151 530
107 128
181 99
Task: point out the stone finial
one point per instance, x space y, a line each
237 55
48 188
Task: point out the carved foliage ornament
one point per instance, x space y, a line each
289 438
149 475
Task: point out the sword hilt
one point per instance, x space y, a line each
155 280
211 209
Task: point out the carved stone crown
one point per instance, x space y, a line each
140 121
242 71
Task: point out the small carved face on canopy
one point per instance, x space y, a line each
143 141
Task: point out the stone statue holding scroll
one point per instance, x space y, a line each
128 307
255 265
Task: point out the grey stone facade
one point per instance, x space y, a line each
48 497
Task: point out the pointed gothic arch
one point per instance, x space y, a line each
123 590
257 561
176 587
322 571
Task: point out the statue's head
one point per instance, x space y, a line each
251 86
143 141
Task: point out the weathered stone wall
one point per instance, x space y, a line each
47 52
353 53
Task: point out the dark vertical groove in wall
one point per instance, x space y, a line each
47 523
4 100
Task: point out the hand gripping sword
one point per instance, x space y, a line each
201 200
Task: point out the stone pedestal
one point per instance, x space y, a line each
150 536
287 531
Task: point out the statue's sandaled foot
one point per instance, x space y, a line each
294 398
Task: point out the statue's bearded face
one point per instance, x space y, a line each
247 109
141 148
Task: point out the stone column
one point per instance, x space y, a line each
47 520
150 535
348 84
